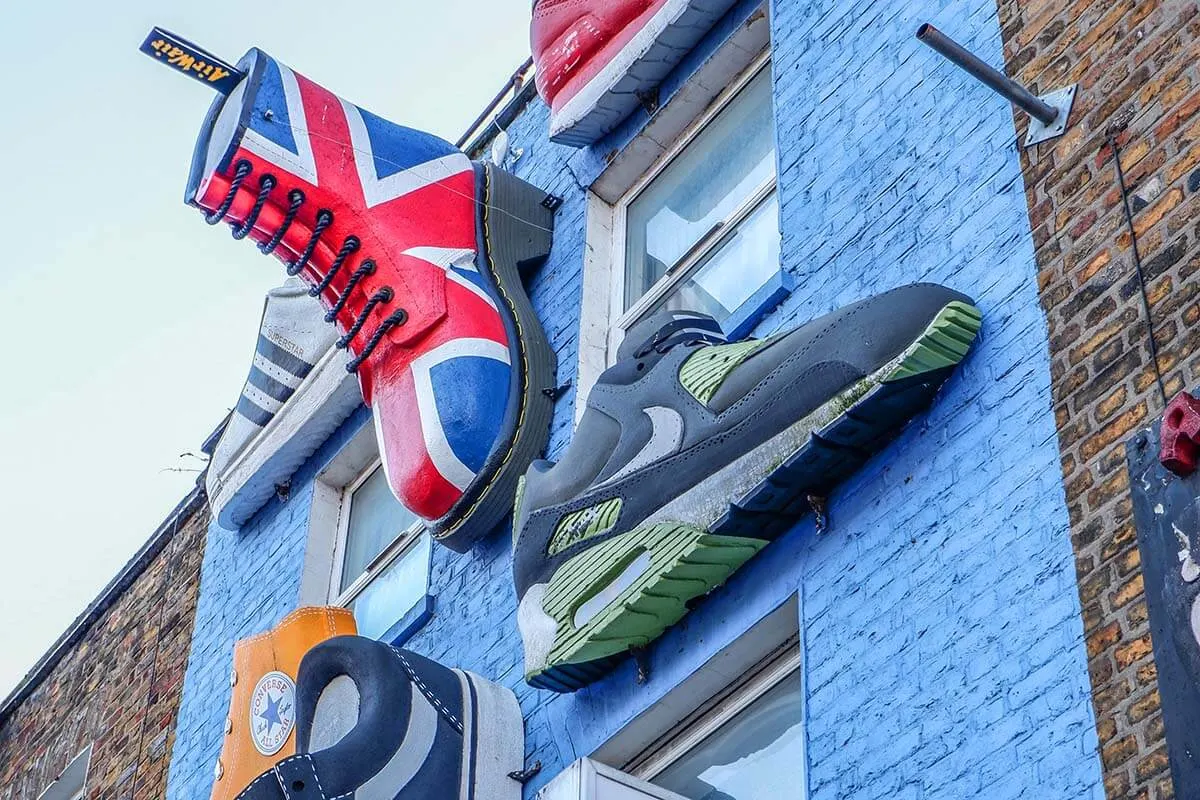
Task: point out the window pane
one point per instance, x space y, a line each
393 592
376 519
736 269
755 756
708 181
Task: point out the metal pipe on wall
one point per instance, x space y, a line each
992 78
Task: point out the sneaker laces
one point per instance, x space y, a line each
689 339
350 245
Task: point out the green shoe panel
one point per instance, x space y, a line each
703 373
944 344
626 591
584 524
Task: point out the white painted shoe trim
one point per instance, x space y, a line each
495 726
586 102
538 629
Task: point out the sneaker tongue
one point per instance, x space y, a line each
665 329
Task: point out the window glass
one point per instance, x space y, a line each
400 586
755 755
376 519
707 182
736 268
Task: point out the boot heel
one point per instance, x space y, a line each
518 221
625 592
516 229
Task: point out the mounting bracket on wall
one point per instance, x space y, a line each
1049 114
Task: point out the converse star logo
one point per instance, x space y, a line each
272 712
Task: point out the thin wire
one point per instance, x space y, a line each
1137 263
377 157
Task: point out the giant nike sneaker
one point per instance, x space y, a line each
374 722
416 255
597 59
694 452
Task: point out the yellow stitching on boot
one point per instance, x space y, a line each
487 235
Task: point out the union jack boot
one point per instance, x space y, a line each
417 256
596 59
694 453
375 722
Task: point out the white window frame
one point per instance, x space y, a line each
399 547
710 718
709 89
752 664
708 242
328 522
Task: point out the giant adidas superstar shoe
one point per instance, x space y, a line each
693 453
598 59
374 722
415 253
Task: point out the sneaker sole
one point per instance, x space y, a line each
598 107
518 229
645 579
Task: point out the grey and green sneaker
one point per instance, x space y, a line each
693 453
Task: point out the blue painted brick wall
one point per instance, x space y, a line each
943 648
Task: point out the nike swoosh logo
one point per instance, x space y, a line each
665 439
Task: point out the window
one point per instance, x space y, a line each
71 784
734 728
685 214
701 231
745 746
381 563
366 551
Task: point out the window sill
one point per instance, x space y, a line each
747 316
410 623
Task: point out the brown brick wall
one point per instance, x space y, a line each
118 689
1136 65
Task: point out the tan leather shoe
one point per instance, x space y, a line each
262 712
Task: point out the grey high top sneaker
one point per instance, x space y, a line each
694 453
374 722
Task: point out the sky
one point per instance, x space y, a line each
132 323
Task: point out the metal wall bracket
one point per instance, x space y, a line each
1048 114
1061 100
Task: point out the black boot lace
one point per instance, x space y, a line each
350 245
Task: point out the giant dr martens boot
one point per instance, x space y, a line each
374 722
260 728
416 254
694 452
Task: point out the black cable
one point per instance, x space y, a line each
1137 264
